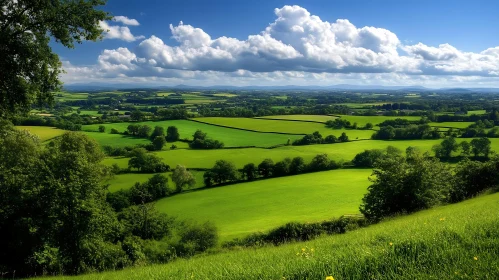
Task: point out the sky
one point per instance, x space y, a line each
239 43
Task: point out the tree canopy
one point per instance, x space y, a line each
29 69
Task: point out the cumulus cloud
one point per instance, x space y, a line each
118 32
297 45
125 20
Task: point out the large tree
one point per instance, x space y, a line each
29 69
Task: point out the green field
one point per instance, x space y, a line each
45 133
63 96
363 120
457 241
477 112
261 205
240 157
265 125
315 118
126 181
230 137
452 124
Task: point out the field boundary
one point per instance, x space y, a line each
289 120
250 130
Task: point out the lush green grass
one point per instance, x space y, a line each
44 132
240 209
63 96
230 137
126 181
240 157
315 118
477 112
452 124
457 241
265 125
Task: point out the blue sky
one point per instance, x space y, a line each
432 43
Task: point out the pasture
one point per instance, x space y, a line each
240 209
457 241
266 125
45 133
230 137
315 118
240 157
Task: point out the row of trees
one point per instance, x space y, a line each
316 138
423 131
340 123
225 171
477 147
201 141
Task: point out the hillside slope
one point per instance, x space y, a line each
459 241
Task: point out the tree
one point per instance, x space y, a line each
145 222
465 148
249 172
480 146
137 115
449 145
29 70
401 186
155 188
102 128
330 139
281 168
172 134
265 167
158 131
473 177
321 162
368 126
223 171
297 166
343 137
182 178
367 158
158 143
133 129
144 131
199 135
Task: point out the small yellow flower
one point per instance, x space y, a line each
391 244
303 249
442 219
312 249
329 278
475 258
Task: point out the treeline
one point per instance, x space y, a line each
423 131
340 123
56 220
224 172
316 138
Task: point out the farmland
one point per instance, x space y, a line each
127 180
244 208
230 137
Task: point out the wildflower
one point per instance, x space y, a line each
442 219
312 249
329 278
475 258
303 249
391 244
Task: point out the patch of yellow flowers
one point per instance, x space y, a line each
306 252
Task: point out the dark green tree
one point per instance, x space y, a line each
223 171
172 134
249 172
158 131
266 167
29 69
480 146
297 166
158 143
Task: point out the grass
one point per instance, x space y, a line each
477 112
126 181
44 132
240 157
315 118
363 120
240 209
230 137
452 124
457 241
265 125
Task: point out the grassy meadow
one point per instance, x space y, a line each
240 157
267 125
45 133
315 118
457 241
244 208
230 137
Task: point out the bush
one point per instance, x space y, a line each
114 131
367 158
200 237
321 163
401 186
472 178
102 128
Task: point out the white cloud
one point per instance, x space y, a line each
125 20
118 32
295 47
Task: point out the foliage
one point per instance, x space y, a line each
368 158
249 172
473 177
182 178
158 143
401 186
29 69
480 147
266 167
321 162
157 132
102 128
446 147
144 162
172 134
202 142
423 131
223 171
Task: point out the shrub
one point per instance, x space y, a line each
114 131
367 158
102 128
200 237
